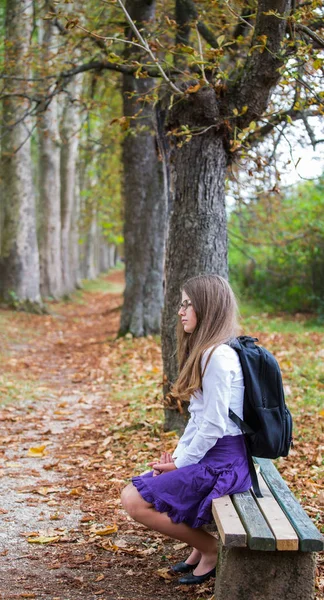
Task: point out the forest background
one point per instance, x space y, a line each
123 128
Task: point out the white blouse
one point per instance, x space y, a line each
223 388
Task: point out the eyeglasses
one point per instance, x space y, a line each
184 305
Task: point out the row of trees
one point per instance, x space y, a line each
202 83
53 214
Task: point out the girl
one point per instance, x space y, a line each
210 459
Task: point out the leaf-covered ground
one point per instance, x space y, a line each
80 412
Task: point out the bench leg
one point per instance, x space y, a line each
253 575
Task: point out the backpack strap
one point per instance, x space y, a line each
245 428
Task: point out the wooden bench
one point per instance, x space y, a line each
268 544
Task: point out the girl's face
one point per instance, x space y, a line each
187 314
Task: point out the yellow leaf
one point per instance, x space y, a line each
43 539
37 451
235 111
106 531
75 492
220 39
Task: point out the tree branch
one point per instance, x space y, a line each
260 73
193 15
148 50
290 115
314 36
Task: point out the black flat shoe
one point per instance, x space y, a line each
196 579
183 567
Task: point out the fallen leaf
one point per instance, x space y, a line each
43 491
37 451
106 531
165 573
75 492
100 578
180 546
43 539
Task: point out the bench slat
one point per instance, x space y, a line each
310 538
286 537
258 532
230 528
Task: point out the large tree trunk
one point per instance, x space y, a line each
49 184
70 142
197 241
19 267
145 203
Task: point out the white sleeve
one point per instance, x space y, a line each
216 385
185 439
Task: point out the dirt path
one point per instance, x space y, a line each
65 455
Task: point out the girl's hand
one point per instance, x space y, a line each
164 467
165 459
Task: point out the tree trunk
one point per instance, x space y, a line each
104 255
19 265
91 254
197 241
49 174
145 202
70 141
75 246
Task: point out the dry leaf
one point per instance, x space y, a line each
106 531
43 539
37 452
165 573
180 546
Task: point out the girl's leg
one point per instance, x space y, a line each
194 557
144 513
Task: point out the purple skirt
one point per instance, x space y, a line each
186 494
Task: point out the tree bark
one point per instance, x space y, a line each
91 247
70 141
49 175
75 246
145 202
19 265
197 241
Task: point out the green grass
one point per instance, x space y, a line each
259 319
14 389
102 285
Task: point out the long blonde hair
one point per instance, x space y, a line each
215 305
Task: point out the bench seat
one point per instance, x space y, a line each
267 544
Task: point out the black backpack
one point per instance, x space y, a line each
267 422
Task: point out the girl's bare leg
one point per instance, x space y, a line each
194 557
143 512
